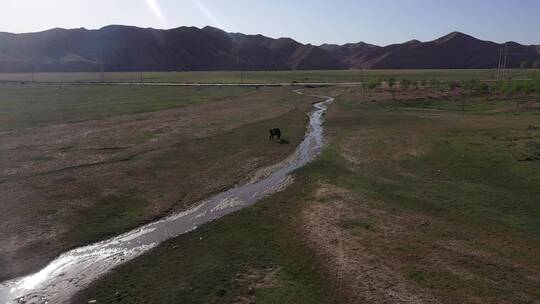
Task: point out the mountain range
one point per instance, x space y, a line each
128 48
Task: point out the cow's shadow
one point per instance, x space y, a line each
283 141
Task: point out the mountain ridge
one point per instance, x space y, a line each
131 48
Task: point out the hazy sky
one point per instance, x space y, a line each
308 21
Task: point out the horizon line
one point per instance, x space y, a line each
259 34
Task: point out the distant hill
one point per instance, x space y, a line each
453 51
126 48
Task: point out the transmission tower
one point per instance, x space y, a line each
505 59
101 70
499 65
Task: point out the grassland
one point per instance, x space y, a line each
23 106
427 191
255 254
82 163
414 200
449 194
269 76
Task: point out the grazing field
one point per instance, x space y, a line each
24 106
420 197
82 163
269 76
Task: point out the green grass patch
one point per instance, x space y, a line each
357 224
417 276
124 209
23 106
472 178
111 213
485 176
424 76
210 265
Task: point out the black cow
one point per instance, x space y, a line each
275 133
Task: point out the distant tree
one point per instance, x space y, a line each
454 84
434 83
536 64
508 89
372 84
525 64
484 88
530 88
405 83
391 82
472 86
537 84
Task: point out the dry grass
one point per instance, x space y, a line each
416 201
342 230
416 206
67 184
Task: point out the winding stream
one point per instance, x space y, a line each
76 269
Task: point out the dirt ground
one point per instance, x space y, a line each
341 231
360 244
64 185
429 197
375 226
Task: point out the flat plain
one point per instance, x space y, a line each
269 76
427 190
81 163
424 196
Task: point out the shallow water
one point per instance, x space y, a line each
76 269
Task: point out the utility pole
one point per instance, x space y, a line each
140 77
101 74
499 66
505 59
362 80
239 66
101 70
32 72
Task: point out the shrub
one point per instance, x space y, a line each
372 84
452 85
405 83
472 85
484 88
391 82
536 84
